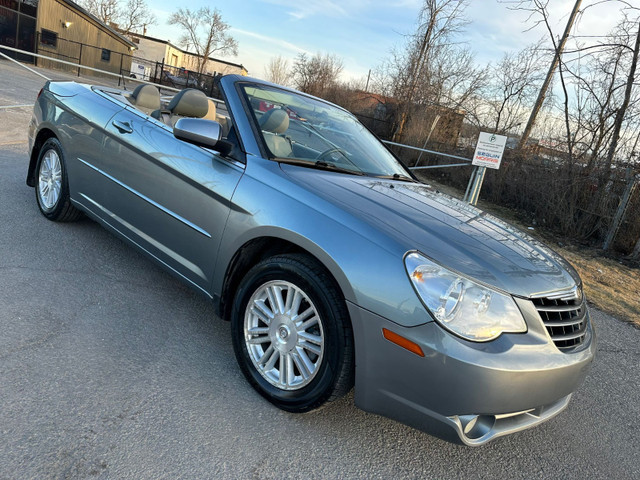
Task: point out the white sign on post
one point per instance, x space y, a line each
489 150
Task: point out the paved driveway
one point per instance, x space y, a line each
111 368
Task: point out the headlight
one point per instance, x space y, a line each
462 306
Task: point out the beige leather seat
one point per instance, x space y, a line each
274 123
186 103
145 98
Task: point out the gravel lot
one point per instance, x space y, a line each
111 368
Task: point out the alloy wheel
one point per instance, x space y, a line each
283 334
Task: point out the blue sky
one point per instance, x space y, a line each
362 32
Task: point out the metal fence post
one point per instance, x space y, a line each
477 186
80 59
622 207
474 186
120 71
472 179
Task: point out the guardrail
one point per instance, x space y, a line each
473 187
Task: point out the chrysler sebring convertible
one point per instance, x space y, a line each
336 267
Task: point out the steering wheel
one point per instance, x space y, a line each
329 151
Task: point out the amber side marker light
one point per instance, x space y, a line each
402 342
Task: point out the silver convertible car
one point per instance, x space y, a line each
334 265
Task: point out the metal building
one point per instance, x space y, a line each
62 29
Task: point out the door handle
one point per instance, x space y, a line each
123 127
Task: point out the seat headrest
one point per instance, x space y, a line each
275 120
146 96
211 113
189 103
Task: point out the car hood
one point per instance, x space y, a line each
451 232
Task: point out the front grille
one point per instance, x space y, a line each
565 317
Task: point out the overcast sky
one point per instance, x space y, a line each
362 32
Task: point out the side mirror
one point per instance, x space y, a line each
201 132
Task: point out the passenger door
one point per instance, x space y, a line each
170 197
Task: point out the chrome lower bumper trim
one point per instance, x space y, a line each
475 430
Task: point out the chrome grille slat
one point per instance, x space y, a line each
572 336
566 323
564 318
558 308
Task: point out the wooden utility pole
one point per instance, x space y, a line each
545 86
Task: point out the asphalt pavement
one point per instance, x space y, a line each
112 368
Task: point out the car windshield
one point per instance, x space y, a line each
302 130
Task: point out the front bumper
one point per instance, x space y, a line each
465 391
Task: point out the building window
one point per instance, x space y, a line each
29 7
106 55
47 37
11 5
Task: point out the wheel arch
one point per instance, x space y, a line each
43 135
260 247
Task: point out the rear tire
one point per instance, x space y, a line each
292 334
52 184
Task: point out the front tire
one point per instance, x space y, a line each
291 333
52 184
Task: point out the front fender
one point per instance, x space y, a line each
369 270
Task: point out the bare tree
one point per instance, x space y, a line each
205 32
136 17
432 73
592 125
439 20
277 70
515 83
317 74
105 10
127 15
603 111
453 81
